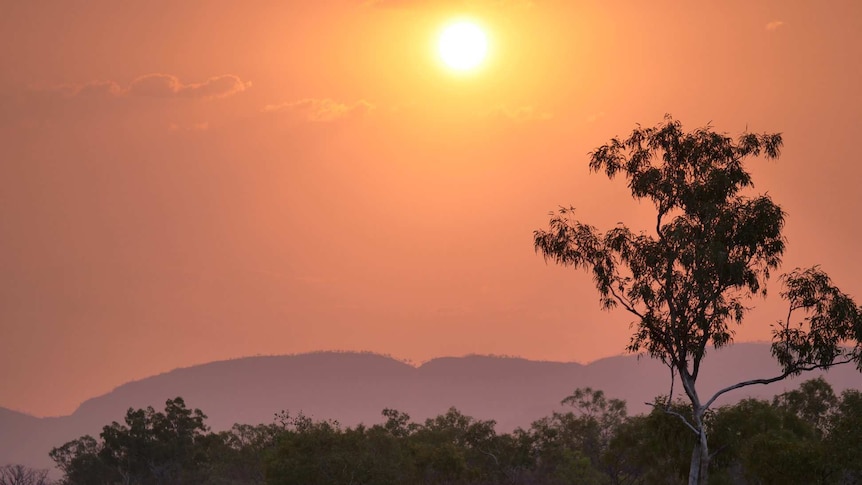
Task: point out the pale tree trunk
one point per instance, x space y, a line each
698 472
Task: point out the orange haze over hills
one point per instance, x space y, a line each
182 182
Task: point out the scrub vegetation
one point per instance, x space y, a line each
805 436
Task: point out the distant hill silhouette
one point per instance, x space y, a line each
355 387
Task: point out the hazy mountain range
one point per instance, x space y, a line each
355 387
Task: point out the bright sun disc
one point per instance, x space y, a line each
463 45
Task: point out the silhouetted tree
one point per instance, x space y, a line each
152 447
759 442
711 251
652 448
455 448
23 475
81 464
814 402
322 452
239 455
574 446
844 442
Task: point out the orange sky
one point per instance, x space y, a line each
189 181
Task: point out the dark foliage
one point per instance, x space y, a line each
805 436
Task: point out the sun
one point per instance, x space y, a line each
463 45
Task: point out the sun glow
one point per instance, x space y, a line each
463 45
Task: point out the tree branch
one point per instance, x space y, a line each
670 393
680 416
712 455
786 374
701 314
496 461
625 303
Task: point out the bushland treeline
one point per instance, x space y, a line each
806 436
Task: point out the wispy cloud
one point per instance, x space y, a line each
158 86
595 117
522 114
98 88
774 25
322 110
167 86
201 126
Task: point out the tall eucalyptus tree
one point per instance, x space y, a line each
688 281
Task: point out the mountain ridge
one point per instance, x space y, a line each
356 387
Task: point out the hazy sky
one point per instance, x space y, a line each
186 181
